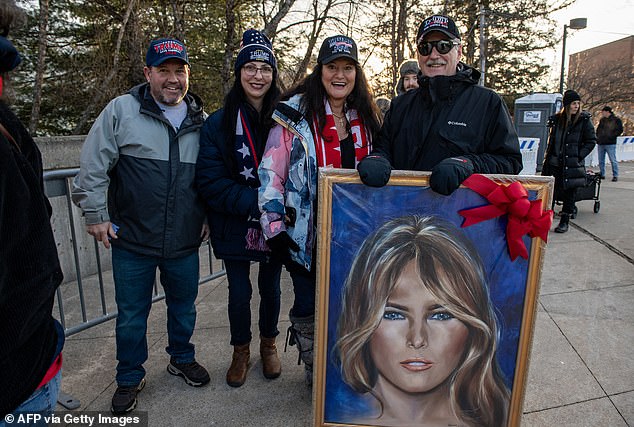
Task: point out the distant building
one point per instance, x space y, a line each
604 75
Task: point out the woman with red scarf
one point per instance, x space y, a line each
328 120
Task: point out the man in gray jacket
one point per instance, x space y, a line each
136 190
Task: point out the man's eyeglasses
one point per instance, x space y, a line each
442 46
252 70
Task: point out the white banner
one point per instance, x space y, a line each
624 152
529 148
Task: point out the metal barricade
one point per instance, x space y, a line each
74 254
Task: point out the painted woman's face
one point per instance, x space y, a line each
418 343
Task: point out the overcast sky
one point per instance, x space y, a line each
608 20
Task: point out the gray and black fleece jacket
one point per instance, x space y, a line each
137 172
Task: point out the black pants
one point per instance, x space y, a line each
304 283
240 291
567 196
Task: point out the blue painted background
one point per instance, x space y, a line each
357 210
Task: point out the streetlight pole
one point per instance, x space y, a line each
563 61
482 14
575 24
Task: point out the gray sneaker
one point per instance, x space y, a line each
124 399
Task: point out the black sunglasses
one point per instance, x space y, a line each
442 46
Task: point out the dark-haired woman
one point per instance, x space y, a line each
571 139
328 120
232 141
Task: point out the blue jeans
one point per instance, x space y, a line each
240 291
134 277
42 401
611 151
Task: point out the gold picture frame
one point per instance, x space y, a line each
349 213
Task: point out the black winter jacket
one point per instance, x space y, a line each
567 148
229 202
609 128
450 116
29 269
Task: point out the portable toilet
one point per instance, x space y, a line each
531 123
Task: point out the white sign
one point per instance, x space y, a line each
529 144
528 147
532 116
624 152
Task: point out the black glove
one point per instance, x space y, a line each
374 170
281 243
447 175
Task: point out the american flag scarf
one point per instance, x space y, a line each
248 161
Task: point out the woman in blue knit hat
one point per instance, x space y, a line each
232 141
571 139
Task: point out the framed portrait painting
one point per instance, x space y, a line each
426 303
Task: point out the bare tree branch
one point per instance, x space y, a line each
270 27
179 20
230 43
40 68
113 72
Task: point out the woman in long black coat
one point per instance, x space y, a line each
571 139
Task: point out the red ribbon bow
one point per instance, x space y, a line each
524 216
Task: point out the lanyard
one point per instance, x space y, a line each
248 133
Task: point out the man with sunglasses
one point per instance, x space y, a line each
449 125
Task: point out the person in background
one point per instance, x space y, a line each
231 145
328 120
610 126
136 190
30 272
408 76
449 125
384 104
570 140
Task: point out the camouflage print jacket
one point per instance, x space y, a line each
288 177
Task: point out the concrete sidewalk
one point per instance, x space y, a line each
581 367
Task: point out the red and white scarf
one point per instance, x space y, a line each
329 149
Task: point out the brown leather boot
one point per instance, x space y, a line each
237 373
271 366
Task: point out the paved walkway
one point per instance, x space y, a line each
581 368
